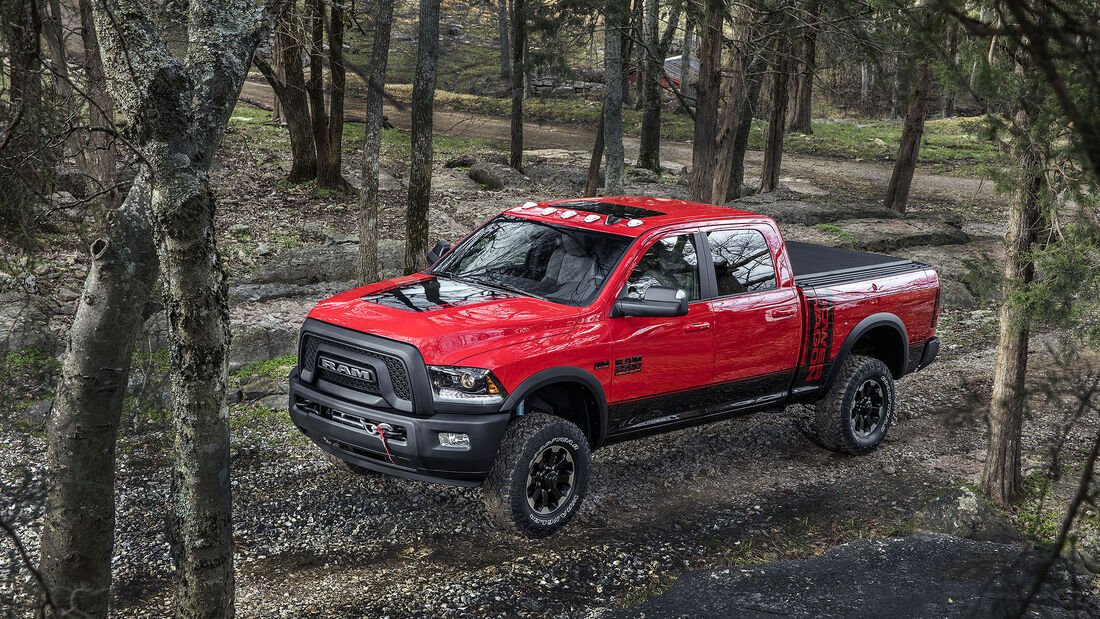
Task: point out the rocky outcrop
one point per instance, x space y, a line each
25 322
962 513
496 176
918 576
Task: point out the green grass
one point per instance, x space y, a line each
1038 516
834 230
274 368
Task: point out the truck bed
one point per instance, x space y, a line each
818 265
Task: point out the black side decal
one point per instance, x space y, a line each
819 342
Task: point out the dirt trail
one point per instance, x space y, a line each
799 171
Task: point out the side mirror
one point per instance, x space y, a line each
659 302
437 252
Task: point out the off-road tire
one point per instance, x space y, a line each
340 463
505 490
833 422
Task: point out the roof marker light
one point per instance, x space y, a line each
548 210
530 204
591 218
568 214
634 223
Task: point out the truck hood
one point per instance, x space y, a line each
446 319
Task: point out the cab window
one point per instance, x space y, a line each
742 261
671 262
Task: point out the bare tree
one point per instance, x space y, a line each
707 98
519 72
369 202
178 113
613 93
328 124
592 178
290 90
897 192
420 164
777 114
807 65
504 28
754 80
649 146
733 94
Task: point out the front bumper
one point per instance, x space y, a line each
344 429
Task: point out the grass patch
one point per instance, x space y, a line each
834 230
275 368
658 584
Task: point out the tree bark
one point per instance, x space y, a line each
504 28
519 72
79 523
803 97
420 165
706 102
777 116
1001 474
370 203
592 178
613 102
897 192
685 59
330 175
291 93
649 147
754 81
98 159
323 123
732 99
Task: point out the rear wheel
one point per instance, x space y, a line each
540 475
856 413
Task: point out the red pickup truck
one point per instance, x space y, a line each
558 327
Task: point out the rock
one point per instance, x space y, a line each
35 414
275 402
563 92
452 181
974 268
956 295
810 213
461 161
262 249
559 175
313 264
497 176
260 387
918 576
962 513
67 294
641 175
886 235
240 229
257 293
25 322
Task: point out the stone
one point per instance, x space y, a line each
497 176
25 322
35 415
916 576
67 294
313 264
962 513
887 235
794 211
559 176
240 229
452 181
262 249
259 387
641 175
462 161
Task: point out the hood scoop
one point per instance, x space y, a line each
434 293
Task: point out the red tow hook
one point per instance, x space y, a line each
382 435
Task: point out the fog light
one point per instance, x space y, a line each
455 440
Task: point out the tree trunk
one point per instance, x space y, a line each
897 192
777 116
519 71
953 53
706 102
1001 474
420 164
613 102
685 59
803 98
505 40
330 175
328 153
732 100
369 202
754 81
649 147
864 82
98 159
592 178
291 93
79 523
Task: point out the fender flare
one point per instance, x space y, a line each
881 319
563 374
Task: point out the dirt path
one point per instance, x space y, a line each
801 172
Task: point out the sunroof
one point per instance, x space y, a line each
621 211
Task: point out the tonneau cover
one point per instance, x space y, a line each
818 265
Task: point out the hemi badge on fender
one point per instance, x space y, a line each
601 365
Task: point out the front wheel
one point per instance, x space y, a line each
856 413
540 475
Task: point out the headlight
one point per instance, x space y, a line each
464 385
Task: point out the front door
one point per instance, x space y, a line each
755 320
661 365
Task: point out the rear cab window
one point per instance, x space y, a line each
742 261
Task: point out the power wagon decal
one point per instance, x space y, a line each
819 341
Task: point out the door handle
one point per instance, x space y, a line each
696 326
781 313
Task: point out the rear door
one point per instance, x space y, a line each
757 324
661 366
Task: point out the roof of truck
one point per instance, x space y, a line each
625 215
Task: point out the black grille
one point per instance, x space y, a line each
399 374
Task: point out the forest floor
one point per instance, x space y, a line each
313 540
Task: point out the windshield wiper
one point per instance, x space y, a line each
494 285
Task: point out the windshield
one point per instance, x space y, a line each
558 263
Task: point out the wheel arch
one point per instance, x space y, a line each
570 378
882 336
